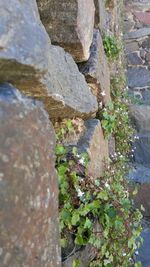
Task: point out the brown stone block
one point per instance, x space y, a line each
28 61
69 24
28 184
96 70
95 145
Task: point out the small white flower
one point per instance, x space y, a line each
81 161
80 193
100 104
136 253
124 254
103 93
107 185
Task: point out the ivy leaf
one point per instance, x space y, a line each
103 195
112 213
60 150
75 218
76 263
87 224
63 242
79 240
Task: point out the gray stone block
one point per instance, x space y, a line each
134 59
140 115
137 34
138 77
28 61
142 152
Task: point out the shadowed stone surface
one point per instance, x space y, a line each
143 198
146 43
141 176
134 59
144 250
28 61
140 115
69 24
95 145
28 184
138 77
83 255
96 70
142 152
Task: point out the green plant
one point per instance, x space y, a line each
85 202
100 212
111 47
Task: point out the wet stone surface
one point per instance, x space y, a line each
28 184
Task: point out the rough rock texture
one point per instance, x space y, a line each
70 89
84 255
28 184
143 17
100 15
141 176
134 59
138 33
144 251
69 24
140 115
96 70
142 152
138 77
137 48
95 145
28 61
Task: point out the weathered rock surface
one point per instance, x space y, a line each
141 176
138 77
143 17
28 184
28 61
142 152
69 89
146 43
83 255
140 115
144 250
96 70
95 145
131 47
69 24
134 59
100 15
137 34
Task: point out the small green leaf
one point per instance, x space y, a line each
75 218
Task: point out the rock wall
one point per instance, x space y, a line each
137 46
41 83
